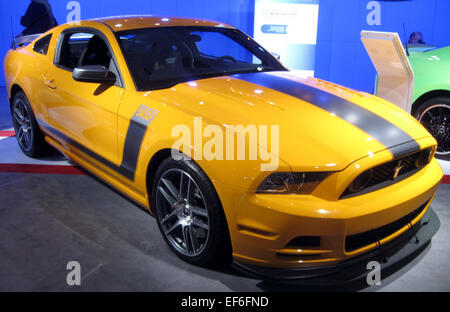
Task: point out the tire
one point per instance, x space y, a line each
186 205
30 138
434 115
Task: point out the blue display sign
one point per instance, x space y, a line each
288 28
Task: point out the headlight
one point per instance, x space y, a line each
291 182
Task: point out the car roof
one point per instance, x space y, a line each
127 22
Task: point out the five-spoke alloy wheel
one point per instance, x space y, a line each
182 212
189 213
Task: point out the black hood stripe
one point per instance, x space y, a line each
392 137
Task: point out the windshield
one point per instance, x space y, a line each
159 58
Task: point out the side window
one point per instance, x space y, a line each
41 46
79 49
71 48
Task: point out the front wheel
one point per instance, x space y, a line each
434 114
189 213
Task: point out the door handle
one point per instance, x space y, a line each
51 84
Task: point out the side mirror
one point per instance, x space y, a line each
277 56
93 73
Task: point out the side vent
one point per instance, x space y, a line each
256 232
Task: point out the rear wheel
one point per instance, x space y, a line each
189 213
434 114
29 137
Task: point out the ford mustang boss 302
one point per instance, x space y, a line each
326 179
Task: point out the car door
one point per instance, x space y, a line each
84 114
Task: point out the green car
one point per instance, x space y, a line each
431 99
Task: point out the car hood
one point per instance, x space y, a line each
321 125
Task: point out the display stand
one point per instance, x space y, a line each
395 82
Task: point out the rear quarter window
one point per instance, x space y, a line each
41 46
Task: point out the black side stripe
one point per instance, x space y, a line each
135 136
133 142
59 136
392 137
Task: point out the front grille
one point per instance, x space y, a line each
388 173
357 241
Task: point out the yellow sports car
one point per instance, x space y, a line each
232 153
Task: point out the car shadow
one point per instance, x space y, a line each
226 276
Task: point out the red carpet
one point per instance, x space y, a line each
48 169
7 133
446 179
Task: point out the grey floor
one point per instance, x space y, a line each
47 221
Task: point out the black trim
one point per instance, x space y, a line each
388 134
360 240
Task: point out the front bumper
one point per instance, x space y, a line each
268 230
388 255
